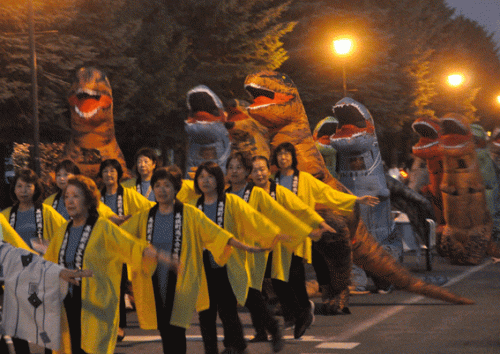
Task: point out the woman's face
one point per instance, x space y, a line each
284 159
110 176
62 177
74 199
260 173
236 172
207 182
24 191
145 166
164 191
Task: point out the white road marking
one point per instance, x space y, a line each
337 345
363 326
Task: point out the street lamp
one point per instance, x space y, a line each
456 79
343 47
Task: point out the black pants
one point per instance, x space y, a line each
173 338
123 290
21 346
222 301
73 307
320 266
293 294
262 319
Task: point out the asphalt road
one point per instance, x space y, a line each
398 322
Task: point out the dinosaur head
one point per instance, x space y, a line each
276 99
204 105
356 131
322 132
429 130
90 98
456 138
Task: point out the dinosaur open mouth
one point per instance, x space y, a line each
88 102
325 131
203 101
429 135
264 97
454 133
349 115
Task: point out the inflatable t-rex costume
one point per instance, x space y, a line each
246 134
321 135
489 174
360 169
429 149
208 138
467 232
277 106
92 126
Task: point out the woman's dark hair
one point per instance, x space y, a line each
149 153
28 176
243 158
69 166
90 191
113 163
260 157
213 169
285 147
172 173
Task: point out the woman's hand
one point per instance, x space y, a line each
495 260
74 276
118 220
368 200
244 247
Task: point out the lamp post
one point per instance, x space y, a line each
34 88
343 47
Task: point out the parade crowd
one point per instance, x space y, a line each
176 246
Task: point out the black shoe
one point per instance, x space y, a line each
120 335
259 337
303 322
277 341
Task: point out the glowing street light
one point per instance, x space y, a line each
343 47
498 98
456 79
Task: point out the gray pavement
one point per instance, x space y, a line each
398 322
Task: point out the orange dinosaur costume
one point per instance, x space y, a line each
278 107
92 125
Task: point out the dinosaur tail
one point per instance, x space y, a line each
368 254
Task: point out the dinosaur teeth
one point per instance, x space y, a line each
426 145
456 146
87 91
86 115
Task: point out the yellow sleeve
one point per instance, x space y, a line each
104 211
10 235
254 225
52 221
326 195
187 191
130 183
135 202
285 220
128 248
50 199
297 207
